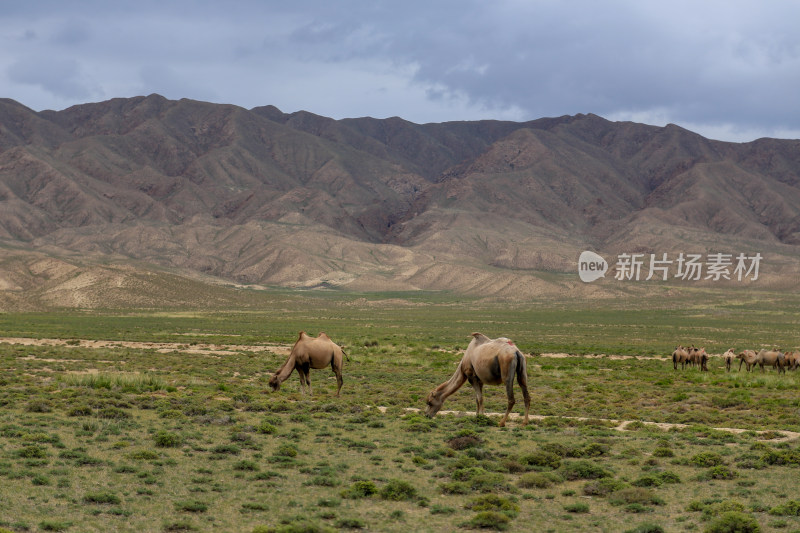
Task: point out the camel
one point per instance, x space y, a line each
747 357
698 356
310 352
773 358
485 362
680 355
729 356
792 360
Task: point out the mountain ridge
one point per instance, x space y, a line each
489 207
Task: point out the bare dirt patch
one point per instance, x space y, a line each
622 425
162 347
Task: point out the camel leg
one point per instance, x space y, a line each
477 385
337 369
522 379
305 379
511 400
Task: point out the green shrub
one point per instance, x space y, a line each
489 482
464 441
734 522
650 480
102 498
584 470
593 449
38 406
541 459
706 459
360 489
488 520
266 428
286 450
398 490
143 455
246 465
32 451
180 525
789 508
350 523
493 502
635 495
603 486
579 507
193 506
54 525
80 410
718 472
536 480
254 506
165 439
455 487
466 474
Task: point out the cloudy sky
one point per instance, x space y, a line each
728 70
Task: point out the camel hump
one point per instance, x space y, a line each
322 335
480 338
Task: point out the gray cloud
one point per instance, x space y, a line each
61 78
723 68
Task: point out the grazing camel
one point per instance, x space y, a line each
747 357
792 360
773 358
310 352
680 356
698 356
486 362
729 356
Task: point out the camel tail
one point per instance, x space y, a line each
522 371
345 355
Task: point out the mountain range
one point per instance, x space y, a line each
98 198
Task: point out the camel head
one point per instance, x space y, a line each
434 402
274 382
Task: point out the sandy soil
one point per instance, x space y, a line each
163 347
621 425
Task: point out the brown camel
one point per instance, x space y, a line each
773 358
310 352
699 357
729 356
486 362
680 356
748 357
792 360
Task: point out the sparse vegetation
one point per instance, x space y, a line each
175 440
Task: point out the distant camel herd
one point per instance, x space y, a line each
778 360
495 362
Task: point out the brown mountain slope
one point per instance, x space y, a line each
299 200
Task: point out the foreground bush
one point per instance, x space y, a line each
734 522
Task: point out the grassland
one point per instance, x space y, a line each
134 439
